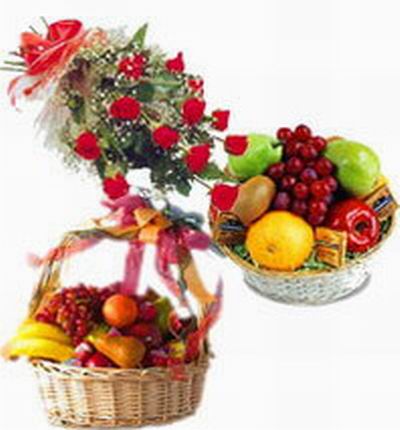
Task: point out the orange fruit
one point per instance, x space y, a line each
120 311
280 241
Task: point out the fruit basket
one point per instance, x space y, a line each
302 216
115 356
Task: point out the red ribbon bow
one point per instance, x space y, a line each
46 57
40 53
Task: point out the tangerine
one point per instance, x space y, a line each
280 240
120 311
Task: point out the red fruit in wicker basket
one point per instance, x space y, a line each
359 221
120 311
84 351
75 310
98 360
149 334
156 358
147 312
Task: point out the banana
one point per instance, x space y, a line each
38 330
39 348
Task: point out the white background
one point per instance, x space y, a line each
332 64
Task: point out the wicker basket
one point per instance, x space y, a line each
309 287
81 397
78 397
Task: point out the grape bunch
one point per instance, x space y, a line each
76 310
304 178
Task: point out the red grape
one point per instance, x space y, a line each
147 312
308 176
318 207
332 182
302 132
288 182
320 189
149 334
299 207
276 171
324 167
315 220
76 310
308 152
284 134
294 165
292 148
301 191
282 201
328 199
319 143
304 177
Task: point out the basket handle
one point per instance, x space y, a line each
76 241
49 281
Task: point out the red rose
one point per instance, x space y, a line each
133 67
87 146
196 85
224 196
175 65
197 158
166 137
236 145
116 187
193 111
221 119
125 108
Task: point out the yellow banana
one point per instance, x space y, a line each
33 329
39 348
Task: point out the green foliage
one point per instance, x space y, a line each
242 252
145 92
385 226
140 37
213 173
314 264
103 74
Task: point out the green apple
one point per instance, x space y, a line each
262 152
358 166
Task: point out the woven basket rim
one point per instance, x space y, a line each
68 371
245 265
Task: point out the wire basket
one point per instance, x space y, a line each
309 287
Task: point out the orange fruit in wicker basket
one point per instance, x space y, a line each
280 241
120 311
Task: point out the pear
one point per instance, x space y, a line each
125 351
262 152
358 166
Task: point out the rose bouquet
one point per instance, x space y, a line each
302 213
114 104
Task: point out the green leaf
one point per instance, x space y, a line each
212 173
140 36
314 264
101 167
145 92
77 108
183 187
242 252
